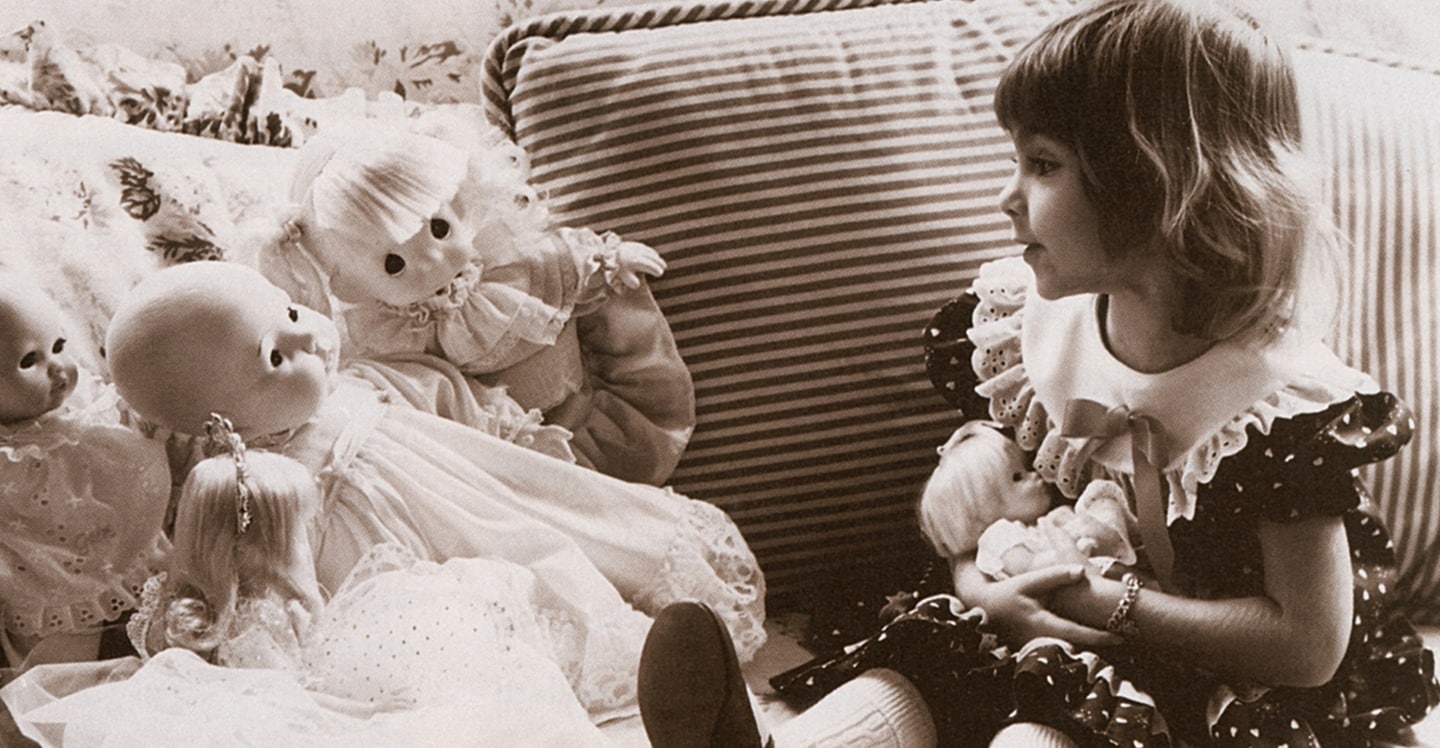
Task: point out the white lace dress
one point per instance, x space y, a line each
408 652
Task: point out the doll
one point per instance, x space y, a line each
490 654
82 497
430 247
217 337
1098 528
981 478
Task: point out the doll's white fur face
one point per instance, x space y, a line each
369 266
36 374
992 467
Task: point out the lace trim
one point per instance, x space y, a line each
110 598
998 364
138 627
710 562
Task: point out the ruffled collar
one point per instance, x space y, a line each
1051 352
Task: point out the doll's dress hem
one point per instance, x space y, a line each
391 473
87 498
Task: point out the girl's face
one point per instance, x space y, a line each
36 374
1057 222
374 268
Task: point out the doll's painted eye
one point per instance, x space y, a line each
1017 477
276 359
439 228
29 359
394 264
59 346
293 312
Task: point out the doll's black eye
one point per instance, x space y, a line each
59 346
276 359
439 228
394 264
29 359
293 312
1017 477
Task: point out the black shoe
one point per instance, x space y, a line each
691 691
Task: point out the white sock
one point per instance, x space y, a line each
878 708
1031 735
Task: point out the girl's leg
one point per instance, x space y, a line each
878 708
691 693
1031 735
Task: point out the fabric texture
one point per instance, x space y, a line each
477 635
84 500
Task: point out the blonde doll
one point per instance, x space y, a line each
217 337
82 497
435 248
1155 334
471 652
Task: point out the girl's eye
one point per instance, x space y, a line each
394 264
276 359
59 346
29 360
439 228
1041 166
293 312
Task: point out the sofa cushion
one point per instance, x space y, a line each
821 177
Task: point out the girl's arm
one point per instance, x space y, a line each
1294 635
1017 605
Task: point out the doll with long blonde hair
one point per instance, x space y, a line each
434 242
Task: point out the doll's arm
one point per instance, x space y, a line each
1293 635
633 259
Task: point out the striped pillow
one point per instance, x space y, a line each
819 186
1378 125
821 176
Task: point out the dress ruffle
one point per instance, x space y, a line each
999 364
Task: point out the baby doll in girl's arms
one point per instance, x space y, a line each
983 499
430 246
82 496
1097 530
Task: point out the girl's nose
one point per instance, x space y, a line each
1012 203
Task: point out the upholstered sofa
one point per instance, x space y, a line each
820 176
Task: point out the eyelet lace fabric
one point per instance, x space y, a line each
998 362
402 632
709 561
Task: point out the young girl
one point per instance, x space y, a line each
490 655
82 497
435 248
216 337
1155 335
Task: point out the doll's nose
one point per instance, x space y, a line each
297 341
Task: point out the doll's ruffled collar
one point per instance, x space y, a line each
1035 357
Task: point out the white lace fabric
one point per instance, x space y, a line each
710 562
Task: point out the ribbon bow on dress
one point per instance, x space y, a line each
1149 455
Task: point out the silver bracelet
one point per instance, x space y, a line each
1120 621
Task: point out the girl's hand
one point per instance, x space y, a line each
634 258
1018 607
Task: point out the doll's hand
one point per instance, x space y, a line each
634 258
1017 606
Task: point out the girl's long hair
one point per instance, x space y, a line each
1186 120
214 565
